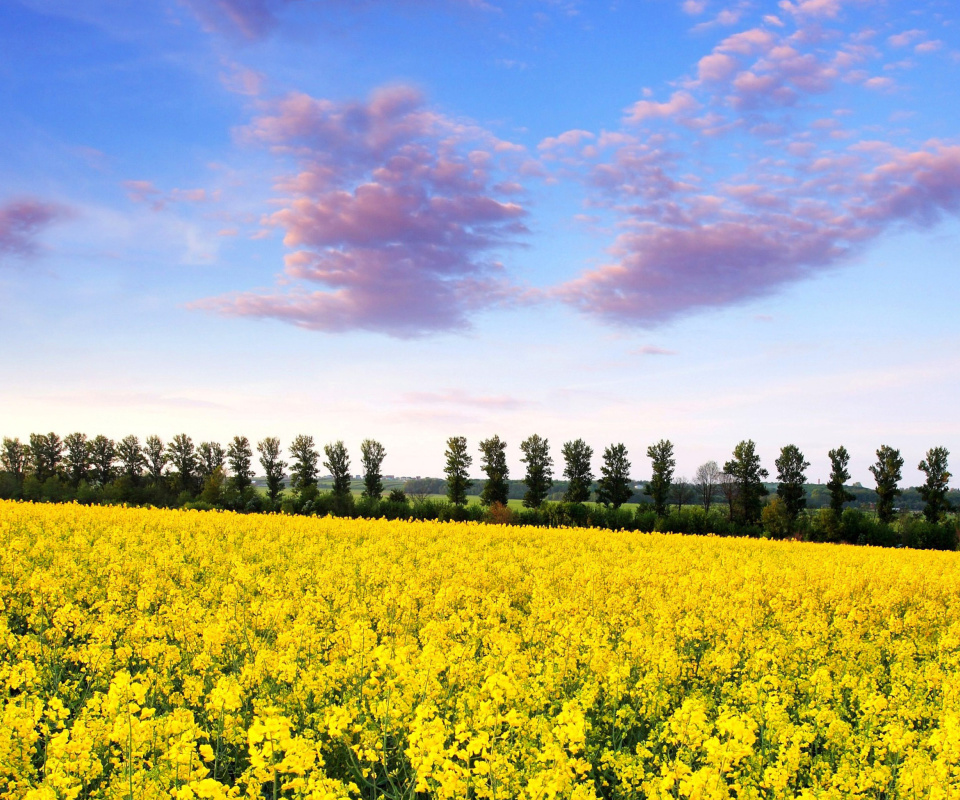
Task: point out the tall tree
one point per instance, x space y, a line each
539 477
272 465
182 455
46 453
791 474
707 482
681 490
372 454
728 488
14 459
839 475
457 470
493 462
935 488
240 458
103 454
338 463
303 469
156 456
886 472
132 460
613 488
210 458
76 461
748 474
663 464
576 469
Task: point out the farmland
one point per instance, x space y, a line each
151 653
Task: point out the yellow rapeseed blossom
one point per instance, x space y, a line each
213 656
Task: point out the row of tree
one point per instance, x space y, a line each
181 471
740 482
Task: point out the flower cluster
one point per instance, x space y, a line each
177 654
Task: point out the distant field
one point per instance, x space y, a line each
184 654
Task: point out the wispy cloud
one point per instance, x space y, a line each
23 221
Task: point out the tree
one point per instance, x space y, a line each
839 461
372 454
457 470
210 458
748 475
886 472
935 488
681 490
493 462
338 463
76 462
728 488
539 477
269 450
14 459
132 460
46 452
613 488
791 474
663 463
240 457
103 453
707 481
156 456
304 470
182 455
577 471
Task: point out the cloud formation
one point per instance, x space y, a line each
22 222
806 193
392 216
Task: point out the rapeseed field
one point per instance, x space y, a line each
171 654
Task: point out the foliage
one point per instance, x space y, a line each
934 489
748 476
273 466
337 461
132 460
182 456
14 458
493 462
663 465
46 453
103 454
791 474
76 461
577 470
839 475
372 454
327 658
613 488
886 472
156 456
457 470
303 469
539 475
210 457
240 459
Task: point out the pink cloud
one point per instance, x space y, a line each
147 192
22 222
679 254
679 104
906 38
716 67
393 211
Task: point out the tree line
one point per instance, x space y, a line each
179 473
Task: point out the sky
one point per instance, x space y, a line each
696 220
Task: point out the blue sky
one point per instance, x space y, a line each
411 219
